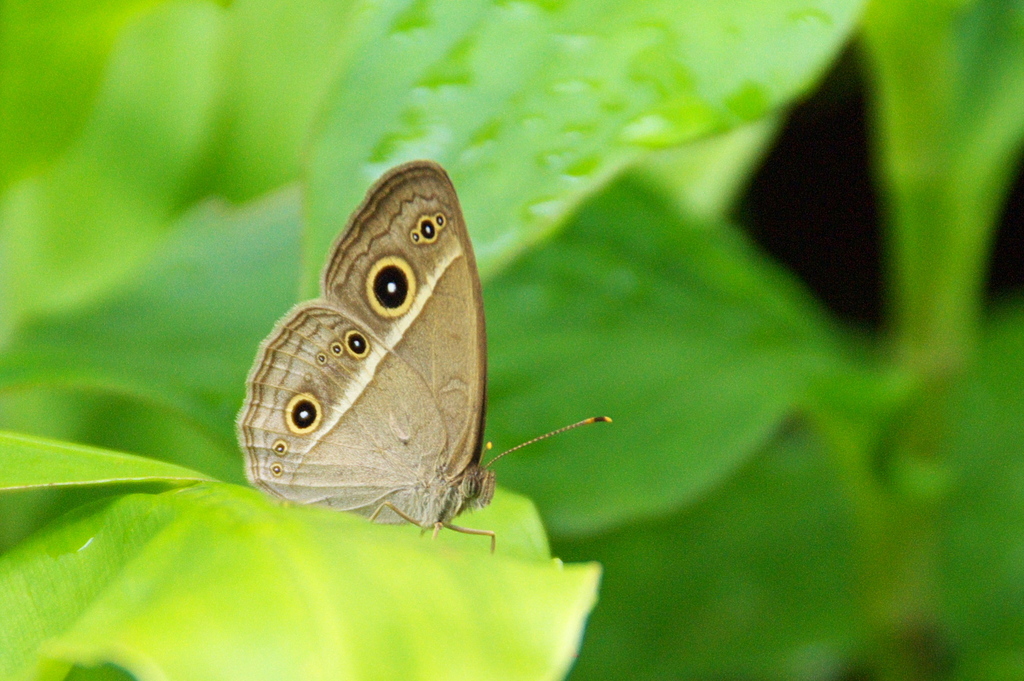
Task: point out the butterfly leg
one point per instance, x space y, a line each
388 504
470 530
437 526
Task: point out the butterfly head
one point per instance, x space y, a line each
477 487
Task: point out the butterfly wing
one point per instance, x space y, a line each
441 335
313 431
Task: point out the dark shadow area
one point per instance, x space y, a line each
812 204
1006 275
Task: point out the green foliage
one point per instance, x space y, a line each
532 106
254 588
184 329
33 462
76 228
778 498
640 302
981 572
758 572
950 113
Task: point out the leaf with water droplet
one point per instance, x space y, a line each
504 82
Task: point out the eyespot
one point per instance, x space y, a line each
336 347
321 358
280 447
303 414
427 229
357 344
277 469
391 287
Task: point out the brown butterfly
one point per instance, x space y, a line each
371 398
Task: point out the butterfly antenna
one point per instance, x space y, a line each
584 422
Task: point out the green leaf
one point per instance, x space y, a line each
35 462
533 106
216 582
754 582
284 56
185 332
983 523
706 177
694 344
109 422
70 233
51 60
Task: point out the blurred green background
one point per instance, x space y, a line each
784 494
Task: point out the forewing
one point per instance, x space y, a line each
441 335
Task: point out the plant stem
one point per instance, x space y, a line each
942 201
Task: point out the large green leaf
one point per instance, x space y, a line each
695 344
532 106
755 582
214 581
52 477
184 333
110 422
34 462
983 574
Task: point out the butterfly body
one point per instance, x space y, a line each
371 398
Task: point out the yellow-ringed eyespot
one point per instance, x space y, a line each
276 469
427 229
321 358
391 287
336 347
280 447
357 344
303 414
